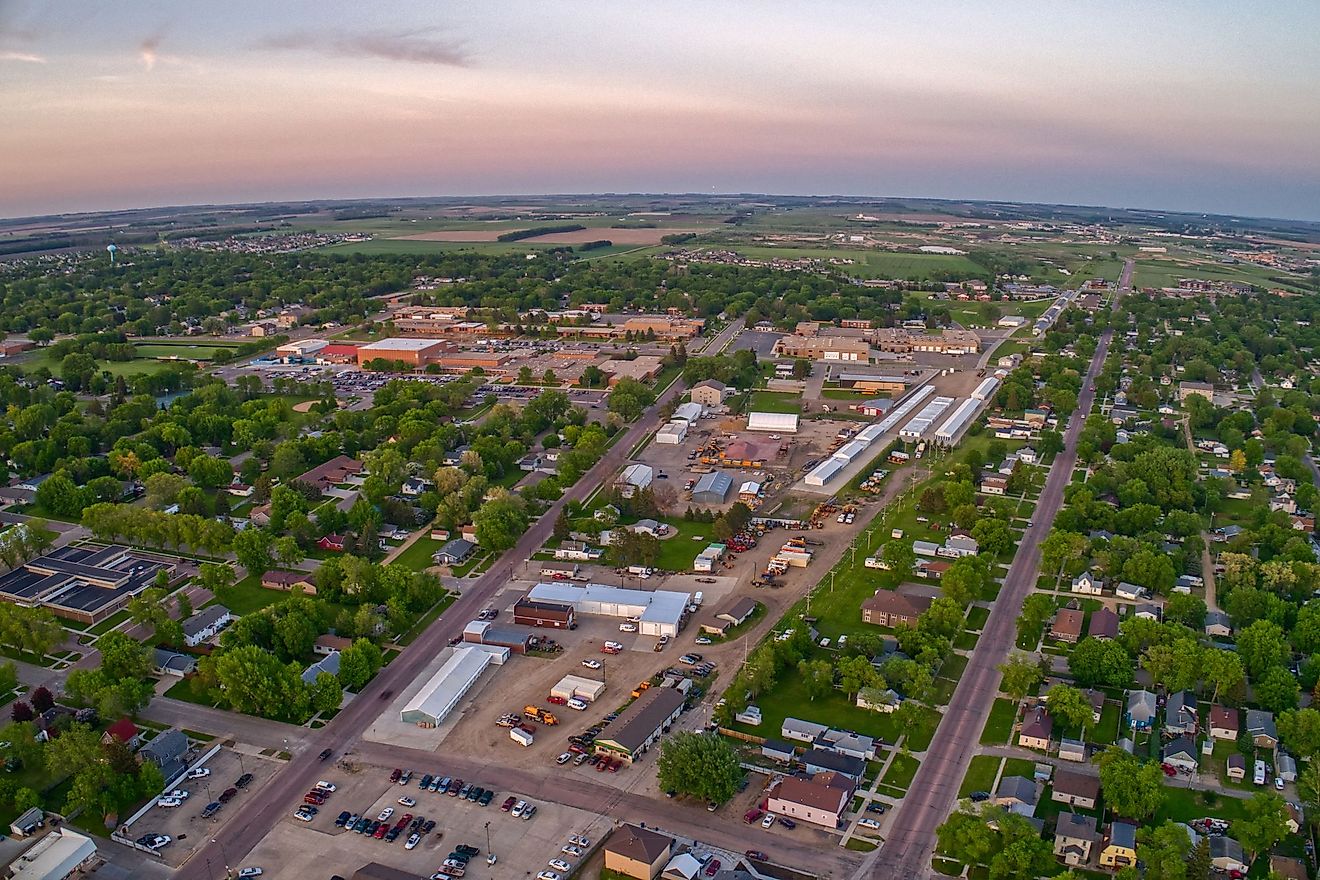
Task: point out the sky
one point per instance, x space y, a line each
1197 106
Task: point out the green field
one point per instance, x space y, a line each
980 774
247 596
775 402
1156 272
681 545
999 725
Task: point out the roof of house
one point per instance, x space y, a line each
167 746
1224 847
204 619
1104 624
1181 746
1141 703
739 608
123 730
895 603
1039 725
166 659
333 471
812 793
1017 788
1077 827
1068 621
458 548
286 578
1123 834
828 760
1261 723
1288 867
1076 784
1224 717
1180 702
777 745
639 844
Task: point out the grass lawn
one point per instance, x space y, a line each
247 596
1019 767
1183 804
977 617
109 623
775 402
1107 730
980 775
427 619
901 771
680 547
999 725
418 555
190 691
788 699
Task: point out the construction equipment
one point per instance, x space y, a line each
536 713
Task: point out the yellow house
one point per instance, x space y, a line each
1120 849
638 852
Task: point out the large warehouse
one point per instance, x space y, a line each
417 352
441 694
779 423
659 612
712 488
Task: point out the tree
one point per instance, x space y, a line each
1020 677
1266 823
856 673
1134 789
254 681
42 701
1262 646
993 536
898 556
1186 609
1100 662
8 677
500 522
817 677
215 577
358 663
1164 850
1070 706
21 712
252 549
1300 731
327 693
1037 609
701 765
1198 863
1277 690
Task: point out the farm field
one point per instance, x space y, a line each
871 264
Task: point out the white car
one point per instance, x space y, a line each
518 809
578 840
571 850
250 872
868 822
180 793
159 841
326 786
169 802
385 814
627 627
578 704
564 758
407 802
548 875
492 859
768 821
199 773
413 839
303 817
1278 783
592 664
559 865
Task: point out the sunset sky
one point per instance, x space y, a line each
1207 105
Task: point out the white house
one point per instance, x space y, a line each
1087 584
204 625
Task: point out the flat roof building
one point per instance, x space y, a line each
54 857
86 584
780 423
438 697
642 723
660 612
416 352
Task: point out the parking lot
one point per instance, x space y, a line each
184 824
522 846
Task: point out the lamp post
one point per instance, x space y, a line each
488 852
223 854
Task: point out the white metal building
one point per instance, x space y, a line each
54 857
689 412
824 472
441 694
922 421
712 488
673 433
948 432
659 612
779 423
986 388
571 686
302 347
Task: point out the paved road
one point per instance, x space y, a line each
242 834
906 853
802 847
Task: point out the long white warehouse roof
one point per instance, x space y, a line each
898 413
986 388
439 695
772 421
824 472
956 422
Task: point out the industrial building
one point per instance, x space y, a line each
987 387
633 479
417 352
778 423
483 632
709 559
921 423
571 686
555 615
689 412
947 434
659 612
301 348
673 433
641 724
85 584
867 384
712 488
55 857
439 696
824 348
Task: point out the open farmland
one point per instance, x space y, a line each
871 264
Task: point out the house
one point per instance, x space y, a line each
802 731
205 624
1017 794
529 462
1226 854
1140 713
124 731
326 644
778 750
28 822
414 486
1080 790
332 473
994 484
330 543
683 866
737 612
960 544
328 663
1224 722
167 751
1131 592
1087 584
1036 729
1181 753
709 392
1067 626
164 662
288 581
638 852
1103 624
1072 750
1074 835
1236 768
1288 868
1180 718
577 551
1218 624
1226 533
877 700
925 548
846 742
891 608
1120 846
825 761
1149 611
1260 725
454 552
820 800
647 527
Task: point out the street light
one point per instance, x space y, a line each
223 854
488 852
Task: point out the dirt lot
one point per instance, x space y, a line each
521 847
185 824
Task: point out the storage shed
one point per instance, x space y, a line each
571 686
778 423
712 488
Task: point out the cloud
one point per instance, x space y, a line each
27 57
149 51
418 46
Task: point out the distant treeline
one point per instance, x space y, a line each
361 214
643 225
678 238
520 234
593 245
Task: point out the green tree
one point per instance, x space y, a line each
1100 662
700 765
817 677
1165 850
1300 731
1069 706
358 663
500 522
327 693
252 549
856 673
1021 676
1266 823
1277 690
1037 609
1134 789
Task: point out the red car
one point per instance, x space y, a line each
395 774
455 787
751 815
602 765
508 804
558 701
1169 770
615 765
713 868
381 831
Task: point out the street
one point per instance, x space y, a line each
906 853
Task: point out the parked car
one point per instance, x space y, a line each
413 840
518 809
243 781
978 796
559 865
787 823
228 795
199 773
342 819
712 867
592 663
325 754
508 804
868 822
548 875
385 814
768 821
756 854
169 802
578 704
578 840
250 872
211 809
529 812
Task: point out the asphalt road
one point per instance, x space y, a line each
235 840
907 852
